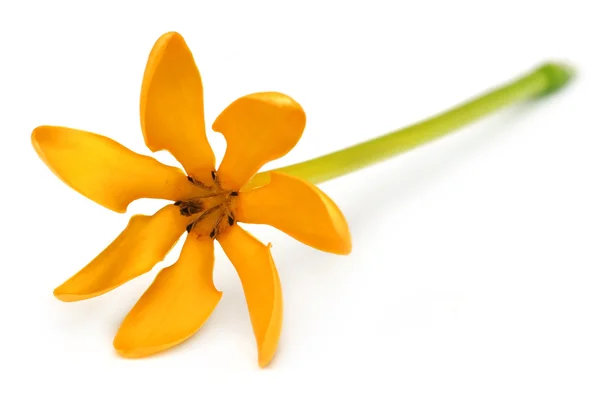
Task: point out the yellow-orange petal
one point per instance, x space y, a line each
105 171
145 241
299 209
254 265
259 128
172 106
175 306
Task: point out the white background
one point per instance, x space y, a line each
475 272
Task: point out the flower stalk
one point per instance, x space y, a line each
542 81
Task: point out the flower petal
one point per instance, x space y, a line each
172 106
262 288
145 241
299 209
175 306
259 128
105 171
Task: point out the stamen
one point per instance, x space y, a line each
198 183
233 194
213 233
177 203
208 196
208 212
230 220
215 178
218 223
190 208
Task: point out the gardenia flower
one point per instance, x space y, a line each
208 203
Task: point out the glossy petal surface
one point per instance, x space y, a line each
175 306
259 128
299 209
105 171
256 269
145 241
172 106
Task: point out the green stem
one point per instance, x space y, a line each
542 81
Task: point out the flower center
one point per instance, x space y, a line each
213 212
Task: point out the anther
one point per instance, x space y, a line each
190 227
213 233
230 220
215 179
188 208
189 178
233 194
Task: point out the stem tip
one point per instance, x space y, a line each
558 75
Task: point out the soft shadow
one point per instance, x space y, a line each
403 183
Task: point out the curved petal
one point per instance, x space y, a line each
105 171
172 106
299 209
259 128
254 265
175 306
145 241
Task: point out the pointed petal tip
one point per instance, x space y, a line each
344 246
268 347
263 362
164 39
345 249
266 352
43 133
120 351
62 296
272 99
170 35
36 131
63 293
37 136
125 349
129 353
69 296
34 134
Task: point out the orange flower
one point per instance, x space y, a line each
259 128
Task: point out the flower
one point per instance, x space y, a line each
208 203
